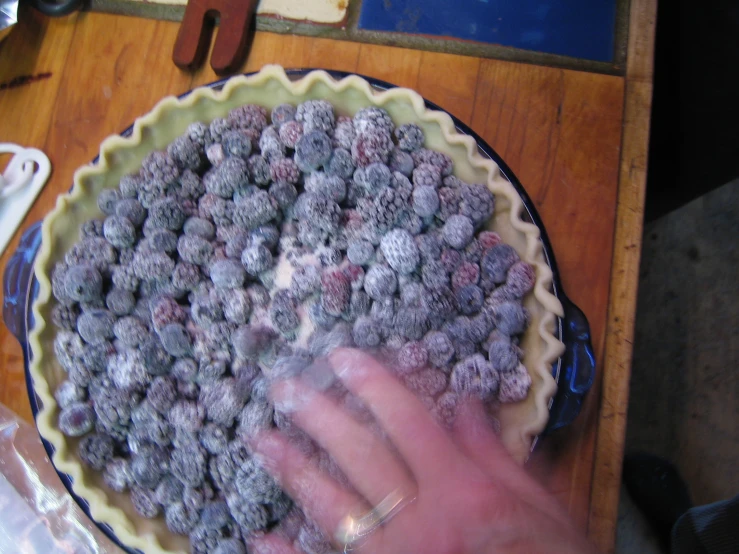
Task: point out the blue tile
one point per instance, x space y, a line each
578 28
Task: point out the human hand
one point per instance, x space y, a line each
462 492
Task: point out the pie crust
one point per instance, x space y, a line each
520 422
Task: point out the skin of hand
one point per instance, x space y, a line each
469 495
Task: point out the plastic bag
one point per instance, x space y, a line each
37 514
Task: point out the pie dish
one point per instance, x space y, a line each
520 422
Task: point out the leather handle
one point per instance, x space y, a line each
232 40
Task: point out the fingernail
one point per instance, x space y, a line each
268 450
346 362
319 375
288 396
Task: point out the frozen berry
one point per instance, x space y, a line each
366 333
476 202
316 115
256 259
373 118
76 419
132 210
159 166
312 150
475 376
400 251
283 311
144 502
175 339
335 292
322 184
282 113
514 385
194 250
380 281
96 450
412 357
340 163
94 326
166 214
199 227
117 474
305 281
439 347
185 152
107 200
401 162
497 261
470 299
372 146
227 274
284 170
488 239
435 158
410 137
290 132
425 201
457 232
255 210
83 283
427 175
520 279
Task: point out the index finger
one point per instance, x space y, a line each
425 446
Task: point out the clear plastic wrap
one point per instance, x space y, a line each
37 514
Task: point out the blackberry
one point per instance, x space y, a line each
119 231
165 310
401 161
188 464
180 518
340 163
503 356
373 118
68 349
412 322
249 515
256 210
96 450
82 283
132 210
214 438
227 274
360 252
514 385
305 281
184 369
158 166
316 115
371 146
440 303
191 185
380 281
312 150
439 347
320 212
225 178
218 127
290 132
470 299
284 170
248 116
497 261
410 137
520 279
270 144
412 357
91 229
199 133
448 203
199 227
259 169
129 186
465 274
186 153
427 175
94 326
433 274
476 202
330 186
335 292
256 259
366 333
156 358
194 250
400 251
374 177
186 415
185 276
458 231
510 318
130 331
355 274
237 306
166 214
282 113
344 133
65 317
175 339
386 208
475 376
144 502
224 400
117 474
425 201
236 145
68 393
435 158
76 419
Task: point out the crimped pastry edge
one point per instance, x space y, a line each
517 440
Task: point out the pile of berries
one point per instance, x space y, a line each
242 253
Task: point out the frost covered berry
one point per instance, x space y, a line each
107 200
458 231
130 331
425 201
119 231
132 210
503 355
335 292
373 118
371 146
344 133
475 376
76 419
380 281
520 279
312 150
366 333
412 357
185 152
194 250
68 393
65 316
96 450
290 132
510 318
439 347
166 214
153 265
83 283
283 311
316 115
256 259
144 502
435 158
497 261
340 163
284 170
470 299
94 326
117 474
514 386
410 137
360 252
322 184
227 274
476 202
175 339
282 113
255 210
427 175
400 251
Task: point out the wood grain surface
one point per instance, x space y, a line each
559 130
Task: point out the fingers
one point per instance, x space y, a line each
426 448
321 498
271 544
365 460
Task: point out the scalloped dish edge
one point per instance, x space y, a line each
517 441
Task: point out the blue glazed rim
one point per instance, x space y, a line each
574 371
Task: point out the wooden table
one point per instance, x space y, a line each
577 141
